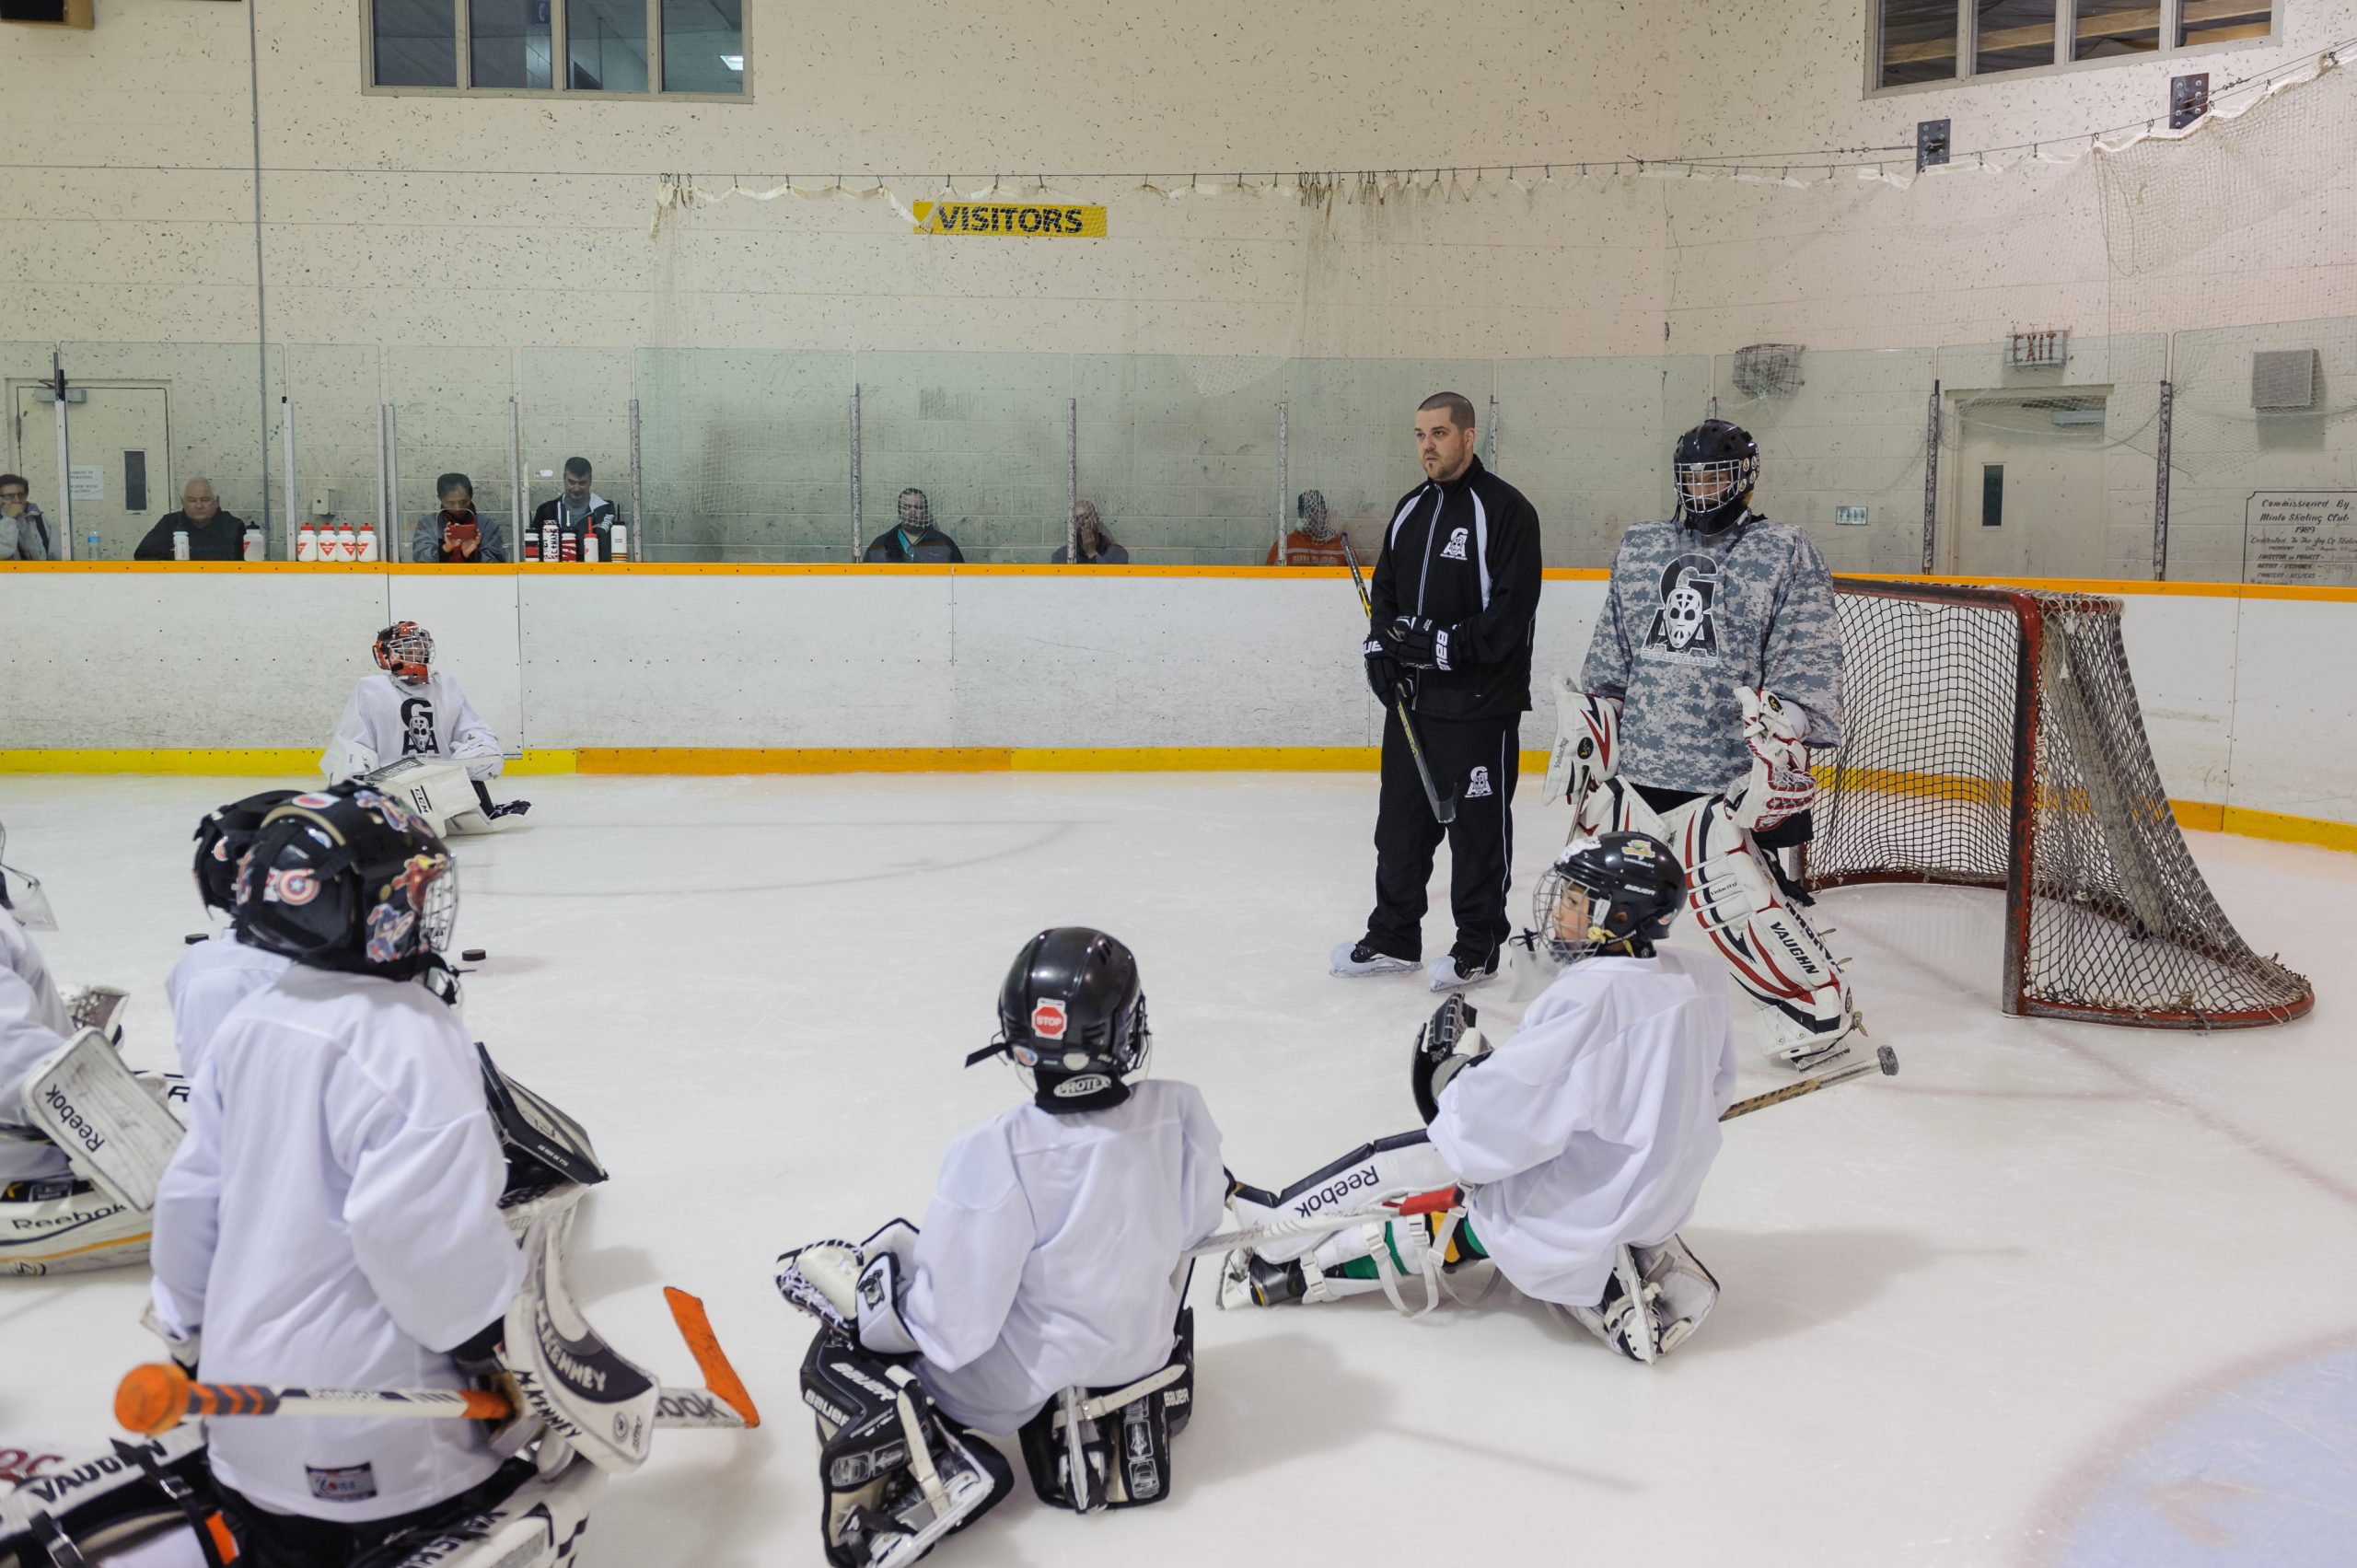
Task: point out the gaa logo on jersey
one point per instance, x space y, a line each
1479 784
1047 1020
1454 549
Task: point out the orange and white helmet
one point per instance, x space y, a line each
406 650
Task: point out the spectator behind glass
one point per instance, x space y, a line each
213 534
915 539
579 509
457 535
1097 546
1315 543
24 533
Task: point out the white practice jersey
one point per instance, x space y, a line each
33 1025
1595 1122
387 719
332 1220
1050 1255
210 980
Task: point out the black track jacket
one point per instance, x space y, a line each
1465 554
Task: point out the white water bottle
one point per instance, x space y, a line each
252 542
307 542
589 547
180 544
368 543
347 543
620 534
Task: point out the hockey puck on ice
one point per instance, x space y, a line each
194 938
474 955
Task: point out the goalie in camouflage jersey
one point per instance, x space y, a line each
1715 668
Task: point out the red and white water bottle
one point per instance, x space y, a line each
307 542
531 545
570 547
368 543
589 547
550 532
252 542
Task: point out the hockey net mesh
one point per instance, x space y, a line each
2110 920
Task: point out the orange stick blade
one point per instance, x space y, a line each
695 1328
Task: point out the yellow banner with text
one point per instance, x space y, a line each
1021 220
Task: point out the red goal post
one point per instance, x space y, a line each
1992 738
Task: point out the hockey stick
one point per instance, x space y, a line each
1444 811
1885 1062
156 1397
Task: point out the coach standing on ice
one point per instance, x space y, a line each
1456 595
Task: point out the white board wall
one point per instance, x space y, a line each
2249 701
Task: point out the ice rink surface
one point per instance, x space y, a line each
2058 1294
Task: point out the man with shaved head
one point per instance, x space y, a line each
214 533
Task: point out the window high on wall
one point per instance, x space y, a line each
1923 43
693 47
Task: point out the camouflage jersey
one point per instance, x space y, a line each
1689 619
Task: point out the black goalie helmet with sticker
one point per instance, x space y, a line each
348 879
1616 891
1072 1012
221 842
1717 467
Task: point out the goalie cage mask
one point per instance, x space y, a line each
406 650
1717 467
347 880
222 839
1072 1012
1615 890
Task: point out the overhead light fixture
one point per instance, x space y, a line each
734 62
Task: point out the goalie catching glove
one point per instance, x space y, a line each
855 1290
1587 743
1445 1046
1780 786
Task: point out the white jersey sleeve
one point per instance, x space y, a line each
969 1256
352 747
188 1218
470 738
33 1025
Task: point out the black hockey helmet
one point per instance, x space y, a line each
222 838
405 650
1717 466
348 879
1072 1012
1614 890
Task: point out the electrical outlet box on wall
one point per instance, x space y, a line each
48 13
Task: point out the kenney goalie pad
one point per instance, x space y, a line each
897 1474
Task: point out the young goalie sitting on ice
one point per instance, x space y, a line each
1579 1145
412 731
1043 1296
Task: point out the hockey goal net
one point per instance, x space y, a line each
1992 738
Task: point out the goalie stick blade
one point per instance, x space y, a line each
719 1377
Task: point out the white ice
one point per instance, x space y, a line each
2058 1294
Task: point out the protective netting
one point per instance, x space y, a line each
1950 771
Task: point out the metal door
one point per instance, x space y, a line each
120 455
2026 496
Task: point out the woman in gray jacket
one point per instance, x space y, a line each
457 535
24 533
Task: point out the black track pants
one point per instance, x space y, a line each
1478 760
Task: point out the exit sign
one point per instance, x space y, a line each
2042 350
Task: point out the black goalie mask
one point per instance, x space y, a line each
1073 1015
1717 467
221 842
348 879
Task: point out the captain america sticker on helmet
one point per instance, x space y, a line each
1685 629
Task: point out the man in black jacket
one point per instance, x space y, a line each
1456 595
579 510
915 538
213 534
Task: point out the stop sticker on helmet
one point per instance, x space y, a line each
1047 1020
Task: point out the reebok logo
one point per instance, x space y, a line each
72 1120
1334 1191
1479 784
1454 549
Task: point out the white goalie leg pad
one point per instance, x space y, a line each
115 1131
1800 1000
1621 1319
1388 1167
434 790
1587 743
69 1226
1680 1292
